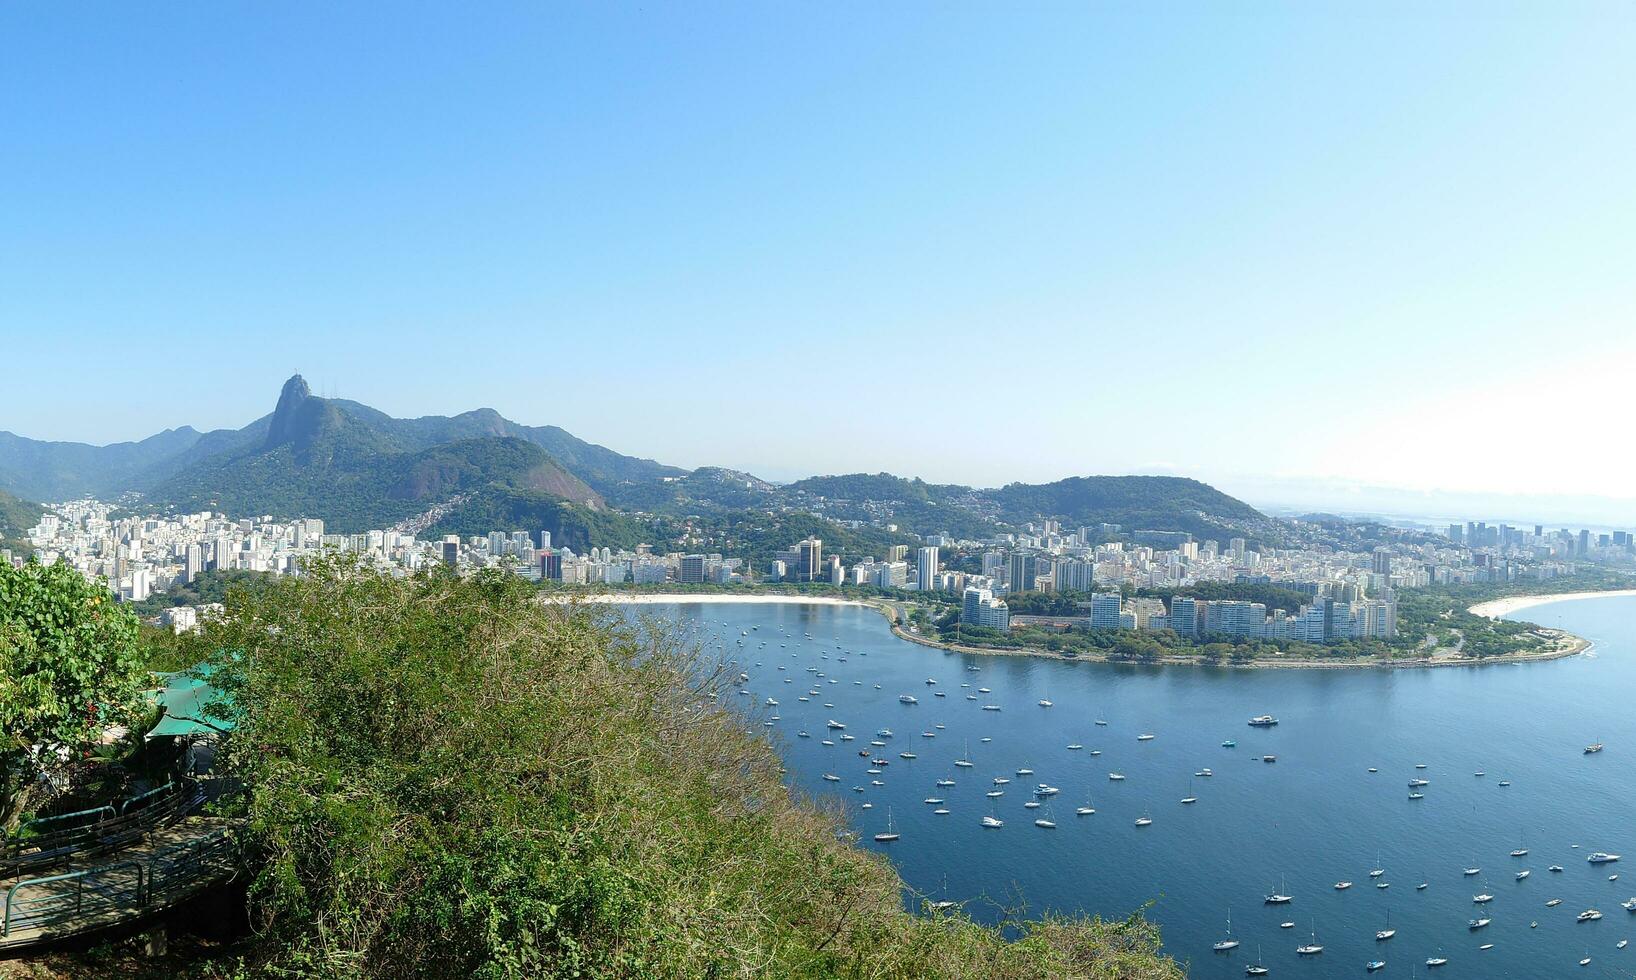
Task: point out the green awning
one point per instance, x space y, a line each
192 706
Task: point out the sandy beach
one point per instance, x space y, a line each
1496 608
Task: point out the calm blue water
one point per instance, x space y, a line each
1315 817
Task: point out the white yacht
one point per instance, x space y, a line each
1228 942
908 699
1144 821
1144 737
1044 703
889 834
1589 915
1382 935
1602 857
993 822
1116 776
1263 721
1342 886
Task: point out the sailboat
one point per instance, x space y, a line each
1048 821
1377 870
1087 809
1227 943
1438 960
1256 969
1521 849
1190 798
1312 947
1279 897
1387 932
964 761
889 834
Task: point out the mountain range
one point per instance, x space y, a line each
359 468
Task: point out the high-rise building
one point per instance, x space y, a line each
1236 546
225 554
691 569
451 550
1382 564
193 564
980 608
1105 610
926 570
1184 616
1073 575
1023 570
811 559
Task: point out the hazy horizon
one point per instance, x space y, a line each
1282 246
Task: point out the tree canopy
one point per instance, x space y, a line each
70 666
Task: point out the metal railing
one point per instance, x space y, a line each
48 841
120 888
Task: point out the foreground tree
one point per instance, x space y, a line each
449 778
70 667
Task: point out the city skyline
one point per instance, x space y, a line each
1381 247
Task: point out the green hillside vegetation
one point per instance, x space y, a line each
1164 503
181 461
502 508
16 516
915 505
445 778
207 587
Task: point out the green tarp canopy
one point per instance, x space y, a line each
187 697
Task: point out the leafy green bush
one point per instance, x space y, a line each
447 778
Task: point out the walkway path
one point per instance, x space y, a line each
168 866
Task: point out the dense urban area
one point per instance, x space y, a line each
1041 579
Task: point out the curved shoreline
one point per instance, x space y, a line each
887 609
1498 608
1578 646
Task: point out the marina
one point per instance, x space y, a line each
1346 742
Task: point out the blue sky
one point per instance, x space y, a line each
1384 242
